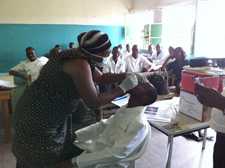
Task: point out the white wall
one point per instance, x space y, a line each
178 22
210 35
110 12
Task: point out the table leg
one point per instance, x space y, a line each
6 121
204 139
169 150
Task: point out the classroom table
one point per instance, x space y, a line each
184 125
5 99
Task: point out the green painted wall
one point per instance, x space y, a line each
14 38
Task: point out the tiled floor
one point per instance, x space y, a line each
186 153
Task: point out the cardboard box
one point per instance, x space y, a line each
210 81
190 106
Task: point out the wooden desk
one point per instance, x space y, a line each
5 98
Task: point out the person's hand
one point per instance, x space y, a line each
129 82
141 78
155 68
209 97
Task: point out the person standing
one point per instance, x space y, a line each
42 119
212 98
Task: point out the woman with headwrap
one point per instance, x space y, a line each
42 119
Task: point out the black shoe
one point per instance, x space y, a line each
192 136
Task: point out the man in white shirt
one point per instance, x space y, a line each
150 53
159 57
114 64
110 142
127 51
30 67
120 49
136 62
212 98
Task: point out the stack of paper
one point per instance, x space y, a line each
162 111
153 114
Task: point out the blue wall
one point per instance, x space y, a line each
14 38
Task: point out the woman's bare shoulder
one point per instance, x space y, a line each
74 66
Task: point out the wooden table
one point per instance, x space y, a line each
5 100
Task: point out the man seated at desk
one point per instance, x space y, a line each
111 142
159 57
127 51
137 62
114 64
29 69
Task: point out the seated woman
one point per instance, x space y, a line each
175 67
110 142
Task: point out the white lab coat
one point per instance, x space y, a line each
111 67
159 59
31 68
137 64
111 142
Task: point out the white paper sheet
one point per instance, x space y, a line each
121 101
6 84
163 111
